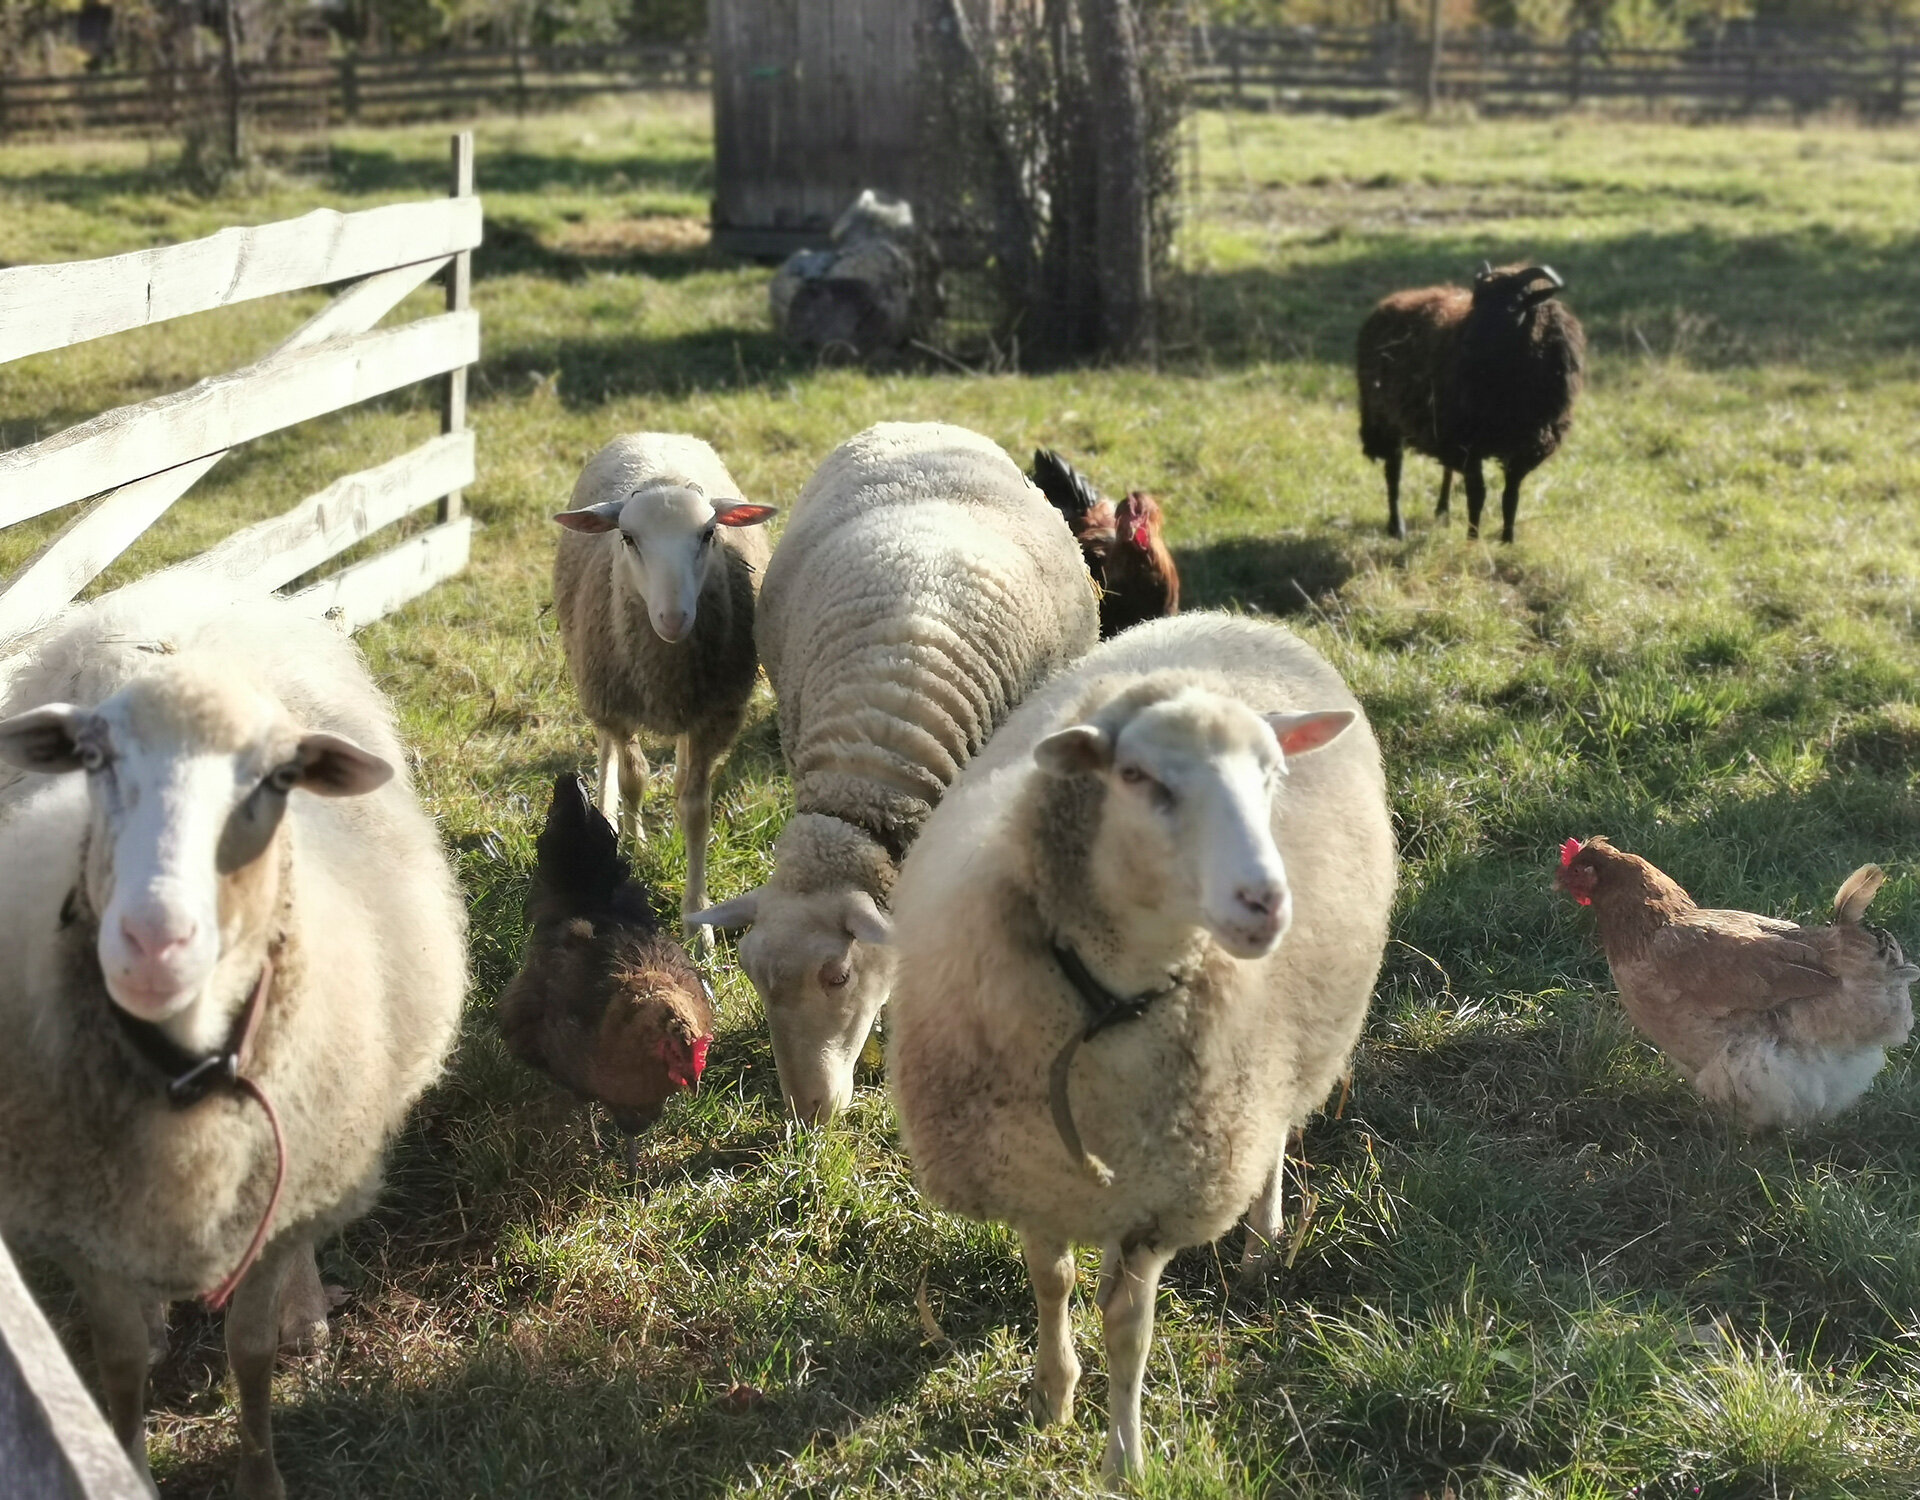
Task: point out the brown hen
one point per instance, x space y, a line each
605 1003
1126 557
1778 1024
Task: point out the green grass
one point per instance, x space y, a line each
1536 1265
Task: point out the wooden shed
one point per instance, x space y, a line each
814 100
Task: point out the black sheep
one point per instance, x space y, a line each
1467 376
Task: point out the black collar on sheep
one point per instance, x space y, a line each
1106 1009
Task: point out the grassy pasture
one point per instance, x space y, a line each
1535 1265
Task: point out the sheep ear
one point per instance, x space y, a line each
333 767
740 513
44 739
593 518
738 911
865 921
1079 750
1299 733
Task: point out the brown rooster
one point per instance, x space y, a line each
605 1003
1777 1023
1131 567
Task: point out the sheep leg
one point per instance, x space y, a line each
1050 1269
1476 496
1510 502
606 785
1263 1223
119 1322
1396 528
635 773
693 803
1129 1282
304 1308
1446 491
253 1340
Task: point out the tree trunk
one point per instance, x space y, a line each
230 76
1119 112
1436 34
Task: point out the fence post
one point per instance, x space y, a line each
1896 102
459 274
350 86
1435 35
1576 46
1233 66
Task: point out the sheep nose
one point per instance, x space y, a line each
670 624
156 937
1263 899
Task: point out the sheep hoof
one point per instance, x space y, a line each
1397 530
259 1479
1044 1411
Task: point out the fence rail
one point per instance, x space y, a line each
138 460
1876 74
1796 72
379 90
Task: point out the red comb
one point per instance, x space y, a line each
700 1045
1567 851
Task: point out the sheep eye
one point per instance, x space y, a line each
91 757
285 778
833 976
630 541
1157 792
706 537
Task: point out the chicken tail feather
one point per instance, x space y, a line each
1856 894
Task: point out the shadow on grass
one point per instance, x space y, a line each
509 248
1278 575
361 169
588 372
1711 299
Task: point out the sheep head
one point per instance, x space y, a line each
819 956
1190 778
1514 291
188 776
667 530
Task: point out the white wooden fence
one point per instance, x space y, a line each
136 461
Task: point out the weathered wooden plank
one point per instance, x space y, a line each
83 549
272 553
52 306
51 1433
368 590
453 403
135 441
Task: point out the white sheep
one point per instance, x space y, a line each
1142 835
225 923
922 588
653 584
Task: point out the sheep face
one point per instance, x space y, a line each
1190 788
820 963
188 778
1509 293
668 533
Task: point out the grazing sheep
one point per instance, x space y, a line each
923 587
1097 1033
654 584
233 958
1467 376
